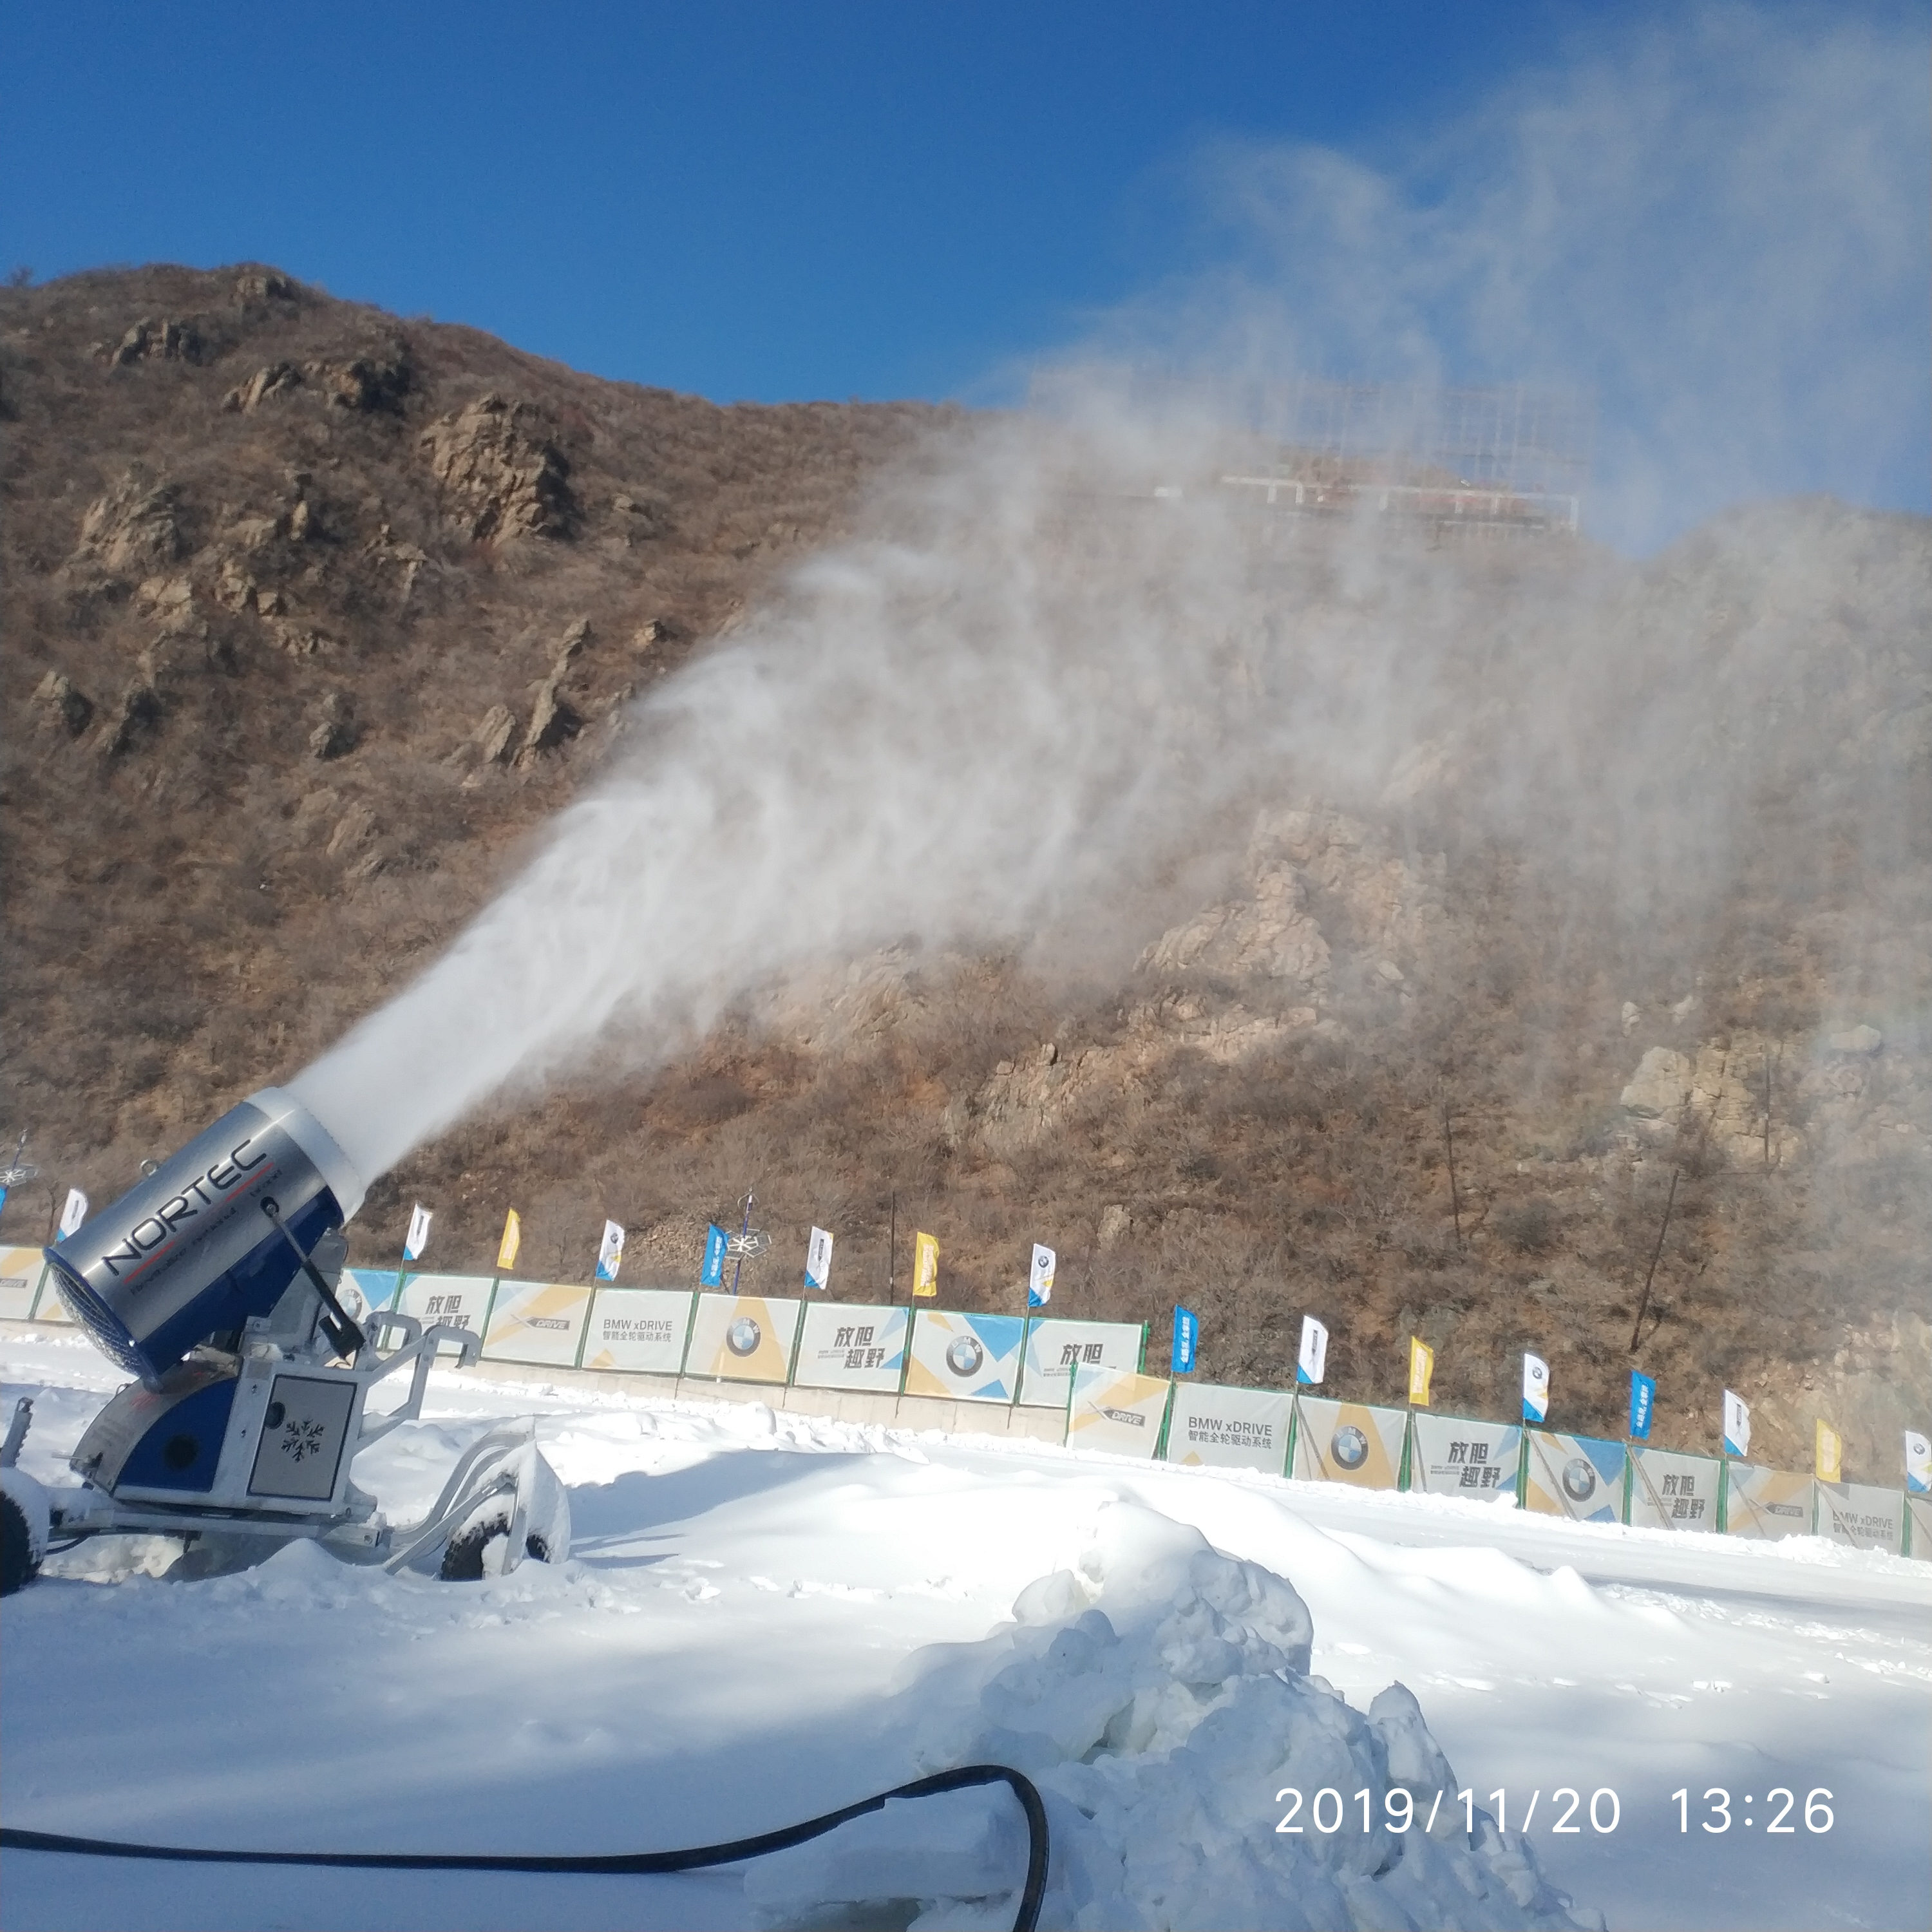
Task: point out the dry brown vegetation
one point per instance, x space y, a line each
313 615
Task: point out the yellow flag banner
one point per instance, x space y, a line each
925 1266
1828 1452
513 1240
1421 1366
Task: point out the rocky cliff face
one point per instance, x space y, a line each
314 615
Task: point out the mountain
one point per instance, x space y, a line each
1600 1004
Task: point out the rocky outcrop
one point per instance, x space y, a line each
136 526
1268 935
262 285
336 733
134 718
148 339
379 380
1722 1098
1299 861
493 735
1659 1089
63 704
554 719
273 379
500 479
354 831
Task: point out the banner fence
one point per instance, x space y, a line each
1351 1442
1093 1372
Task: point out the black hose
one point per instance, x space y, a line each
633 1863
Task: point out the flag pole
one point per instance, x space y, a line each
738 1266
892 1253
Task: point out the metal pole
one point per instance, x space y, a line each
738 1266
1662 1228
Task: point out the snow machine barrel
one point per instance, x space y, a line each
209 1240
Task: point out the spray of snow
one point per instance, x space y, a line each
1034 680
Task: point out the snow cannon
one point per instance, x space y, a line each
209 1241
217 1281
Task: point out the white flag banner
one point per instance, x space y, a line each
420 1217
1535 1388
73 1213
818 1261
1313 1359
1917 1463
1737 1425
1040 1281
609 1252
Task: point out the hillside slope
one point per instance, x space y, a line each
314 615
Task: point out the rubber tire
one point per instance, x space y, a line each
463 1554
17 1566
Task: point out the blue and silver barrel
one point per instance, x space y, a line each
190 1252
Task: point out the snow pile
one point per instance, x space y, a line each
1158 1693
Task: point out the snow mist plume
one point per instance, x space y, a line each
1063 650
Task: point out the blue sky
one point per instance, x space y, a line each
751 200
773 201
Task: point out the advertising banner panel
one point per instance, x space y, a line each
971 1357
1229 1428
1347 1442
1766 1503
1118 1410
1669 1491
50 1307
20 1272
1477 1461
463 1299
1054 1349
376 1286
638 1331
743 1338
1579 1477
1861 1515
536 1322
1918 1521
849 1347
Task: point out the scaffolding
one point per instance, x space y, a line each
1512 460
1505 461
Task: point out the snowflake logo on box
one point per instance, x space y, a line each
300 1440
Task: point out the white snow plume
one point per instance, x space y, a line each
1158 1693
1038 683
1034 680
948 730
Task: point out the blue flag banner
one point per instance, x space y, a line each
1187 1332
713 1276
1643 1399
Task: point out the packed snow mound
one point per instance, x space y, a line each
1158 1693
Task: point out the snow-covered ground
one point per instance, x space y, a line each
767 1616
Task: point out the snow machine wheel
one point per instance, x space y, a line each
17 1566
462 1555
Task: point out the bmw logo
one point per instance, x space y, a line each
743 1336
964 1355
1579 1479
1350 1448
